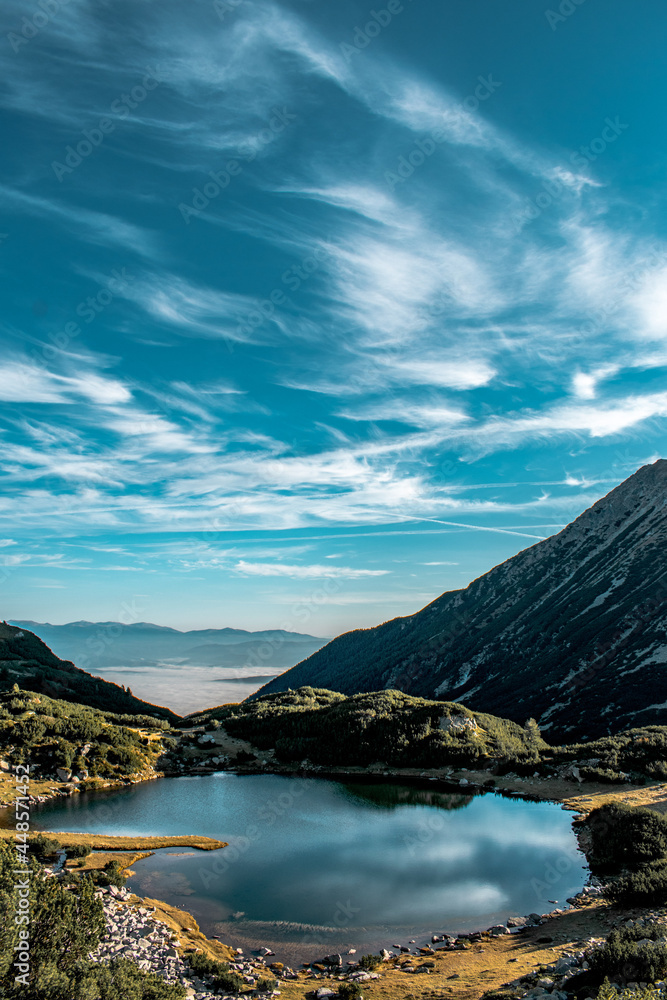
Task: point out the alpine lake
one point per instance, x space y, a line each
316 866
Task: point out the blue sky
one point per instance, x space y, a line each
314 311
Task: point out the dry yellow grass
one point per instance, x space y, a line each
187 928
648 796
97 861
101 842
486 965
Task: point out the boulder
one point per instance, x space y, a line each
335 960
564 964
456 723
517 922
63 774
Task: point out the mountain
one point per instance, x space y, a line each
27 661
571 630
103 645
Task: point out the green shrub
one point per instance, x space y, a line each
603 775
266 985
112 874
633 954
230 982
78 850
44 847
609 992
369 962
205 966
349 991
623 837
646 887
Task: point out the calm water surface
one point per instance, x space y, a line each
316 866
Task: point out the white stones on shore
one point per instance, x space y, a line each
135 933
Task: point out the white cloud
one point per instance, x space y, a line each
98 228
21 382
306 572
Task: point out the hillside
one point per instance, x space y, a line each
28 662
62 741
102 645
571 630
391 729
388 726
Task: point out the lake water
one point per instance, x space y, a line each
317 866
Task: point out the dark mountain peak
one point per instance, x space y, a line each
570 630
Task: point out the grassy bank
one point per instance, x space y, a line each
102 842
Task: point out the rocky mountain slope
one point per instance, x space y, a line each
25 660
571 630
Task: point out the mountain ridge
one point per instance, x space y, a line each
26 660
559 631
99 646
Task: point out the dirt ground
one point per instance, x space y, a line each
485 965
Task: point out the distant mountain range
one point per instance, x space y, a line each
572 630
104 645
25 660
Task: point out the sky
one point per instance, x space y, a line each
313 311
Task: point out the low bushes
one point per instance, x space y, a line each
44 848
633 954
349 991
78 850
646 887
625 838
267 985
369 962
224 978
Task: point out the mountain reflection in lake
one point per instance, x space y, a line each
315 866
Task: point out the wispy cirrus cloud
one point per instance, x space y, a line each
315 572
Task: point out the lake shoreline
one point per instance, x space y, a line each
498 952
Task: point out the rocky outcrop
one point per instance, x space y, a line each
136 933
